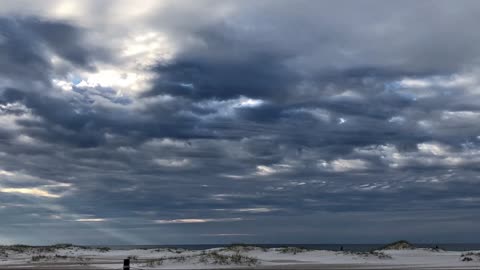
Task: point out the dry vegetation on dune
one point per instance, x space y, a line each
60 258
26 249
206 257
369 254
398 245
3 254
243 248
42 254
470 256
291 250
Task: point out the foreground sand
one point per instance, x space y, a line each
290 267
237 257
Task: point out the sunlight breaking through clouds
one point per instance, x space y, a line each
30 191
196 220
91 220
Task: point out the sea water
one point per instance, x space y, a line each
345 247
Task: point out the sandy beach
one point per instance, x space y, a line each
233 257
289 267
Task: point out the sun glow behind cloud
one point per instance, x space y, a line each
30 191
196 220
91 220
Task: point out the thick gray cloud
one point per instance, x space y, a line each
232 121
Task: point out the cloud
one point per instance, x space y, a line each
171 163
255 210
91 220
307 114
30 191
343 165
227 234
196 220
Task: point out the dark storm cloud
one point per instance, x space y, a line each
28 43
226 63
306 114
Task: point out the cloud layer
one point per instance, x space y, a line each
232 121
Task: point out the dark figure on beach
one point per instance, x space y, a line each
341 248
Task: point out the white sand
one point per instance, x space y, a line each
180 259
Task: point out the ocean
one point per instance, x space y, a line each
346 247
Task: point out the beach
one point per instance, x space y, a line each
233 257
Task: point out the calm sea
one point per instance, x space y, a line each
346 247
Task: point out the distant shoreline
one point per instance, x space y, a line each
332 247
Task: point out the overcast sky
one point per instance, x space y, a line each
186 122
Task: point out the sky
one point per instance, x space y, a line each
207 122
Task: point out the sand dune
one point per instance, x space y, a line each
234 257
